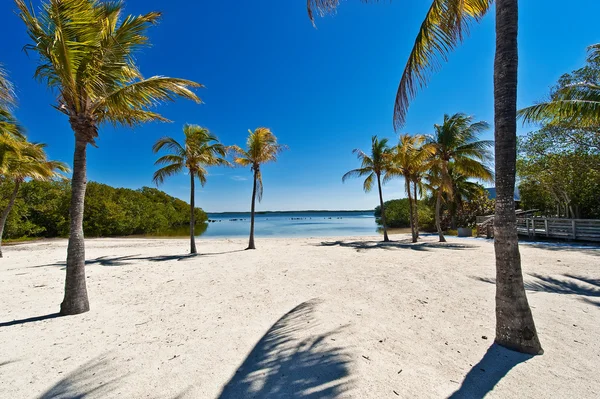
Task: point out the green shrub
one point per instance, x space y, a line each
397 214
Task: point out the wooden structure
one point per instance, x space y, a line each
539 227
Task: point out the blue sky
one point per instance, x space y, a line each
322 91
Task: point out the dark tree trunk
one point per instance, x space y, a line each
438 216
385 234
416 209
515 328
6 211
252 209
76 298
410 210
192 216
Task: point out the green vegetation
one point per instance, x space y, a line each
261 148
23 161
199 150
374 166
559 164
42 210
86 53
397 214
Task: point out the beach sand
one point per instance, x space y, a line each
297 318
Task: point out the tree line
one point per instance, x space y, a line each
42 210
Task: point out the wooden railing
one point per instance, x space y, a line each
569 229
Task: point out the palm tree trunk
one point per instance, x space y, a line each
252 209
515 328
6 211
192 216
385 234
416 209
438 223
76 298
410 210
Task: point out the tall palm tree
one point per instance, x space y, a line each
408 158
374 167
261 148
199 150
86 55
456 146
444 27
576 105
29 162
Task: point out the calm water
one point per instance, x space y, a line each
292 224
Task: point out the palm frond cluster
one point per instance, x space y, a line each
443 164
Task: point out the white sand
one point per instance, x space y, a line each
294 319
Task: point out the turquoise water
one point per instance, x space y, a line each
292 224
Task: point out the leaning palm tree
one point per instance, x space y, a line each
29 162
576 105
456 146
408 159
86 54
374 167
446 24
261 148
199 150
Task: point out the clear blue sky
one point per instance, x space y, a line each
322 91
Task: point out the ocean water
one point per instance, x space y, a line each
292 224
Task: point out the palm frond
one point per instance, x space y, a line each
167 171
443 29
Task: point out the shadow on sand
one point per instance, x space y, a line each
30 320
289 363
572 285
97 378
130 259
402 244
579 247
483 377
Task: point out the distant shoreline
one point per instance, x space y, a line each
280 212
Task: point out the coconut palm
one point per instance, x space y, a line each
374 167
456 146
86 55
445 25
261 148
199 150
408 161
575 105
28 162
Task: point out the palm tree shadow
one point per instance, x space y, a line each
281 365
394 245
30 320
131 259
485 375
97 378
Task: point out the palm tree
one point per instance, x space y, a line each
374 167
29 162
262 147
456 147
463 189
575 105
86 52
199 150
408 159
443 29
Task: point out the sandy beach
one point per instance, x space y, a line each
297 318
